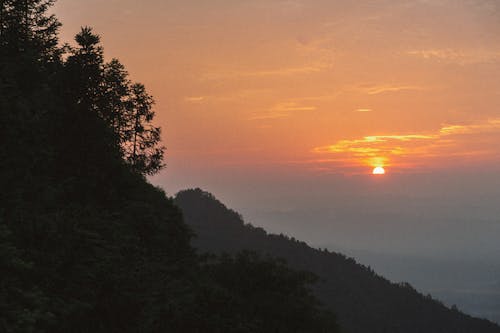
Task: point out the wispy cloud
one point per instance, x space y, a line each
288 71
231 96
381 150
387 88
363 110
194 99
282 110
459 57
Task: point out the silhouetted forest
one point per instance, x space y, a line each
362 300
86 243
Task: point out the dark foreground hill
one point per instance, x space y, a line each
86 243
363 301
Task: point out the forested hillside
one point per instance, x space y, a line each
362 300
86 243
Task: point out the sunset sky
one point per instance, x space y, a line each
254 95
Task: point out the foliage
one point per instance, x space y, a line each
123 106
86 244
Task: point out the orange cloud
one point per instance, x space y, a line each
282 110
290 71
409 149
375 90
194 99
460 57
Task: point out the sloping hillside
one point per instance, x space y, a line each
363 301
86 243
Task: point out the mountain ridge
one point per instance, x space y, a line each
362 300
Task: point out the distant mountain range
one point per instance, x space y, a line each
362 300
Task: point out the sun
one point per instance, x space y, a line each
378 171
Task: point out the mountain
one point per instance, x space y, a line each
362 300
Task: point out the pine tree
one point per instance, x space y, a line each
143 152
115 102
25 27
125 107
29 59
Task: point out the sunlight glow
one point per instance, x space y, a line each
378 171
406 150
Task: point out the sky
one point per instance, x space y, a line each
282 108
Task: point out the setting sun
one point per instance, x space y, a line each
378 171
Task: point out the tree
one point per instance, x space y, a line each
29 59
25 26
84 69
143 152
22 306
125 107
115 104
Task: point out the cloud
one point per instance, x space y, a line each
282 110
230 96
380 89
363 110
406 149
289 71
194 99
269 115
459 57
491 125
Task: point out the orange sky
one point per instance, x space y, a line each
281 109
311 86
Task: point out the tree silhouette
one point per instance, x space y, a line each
125 107
86 244
25 27
142 150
